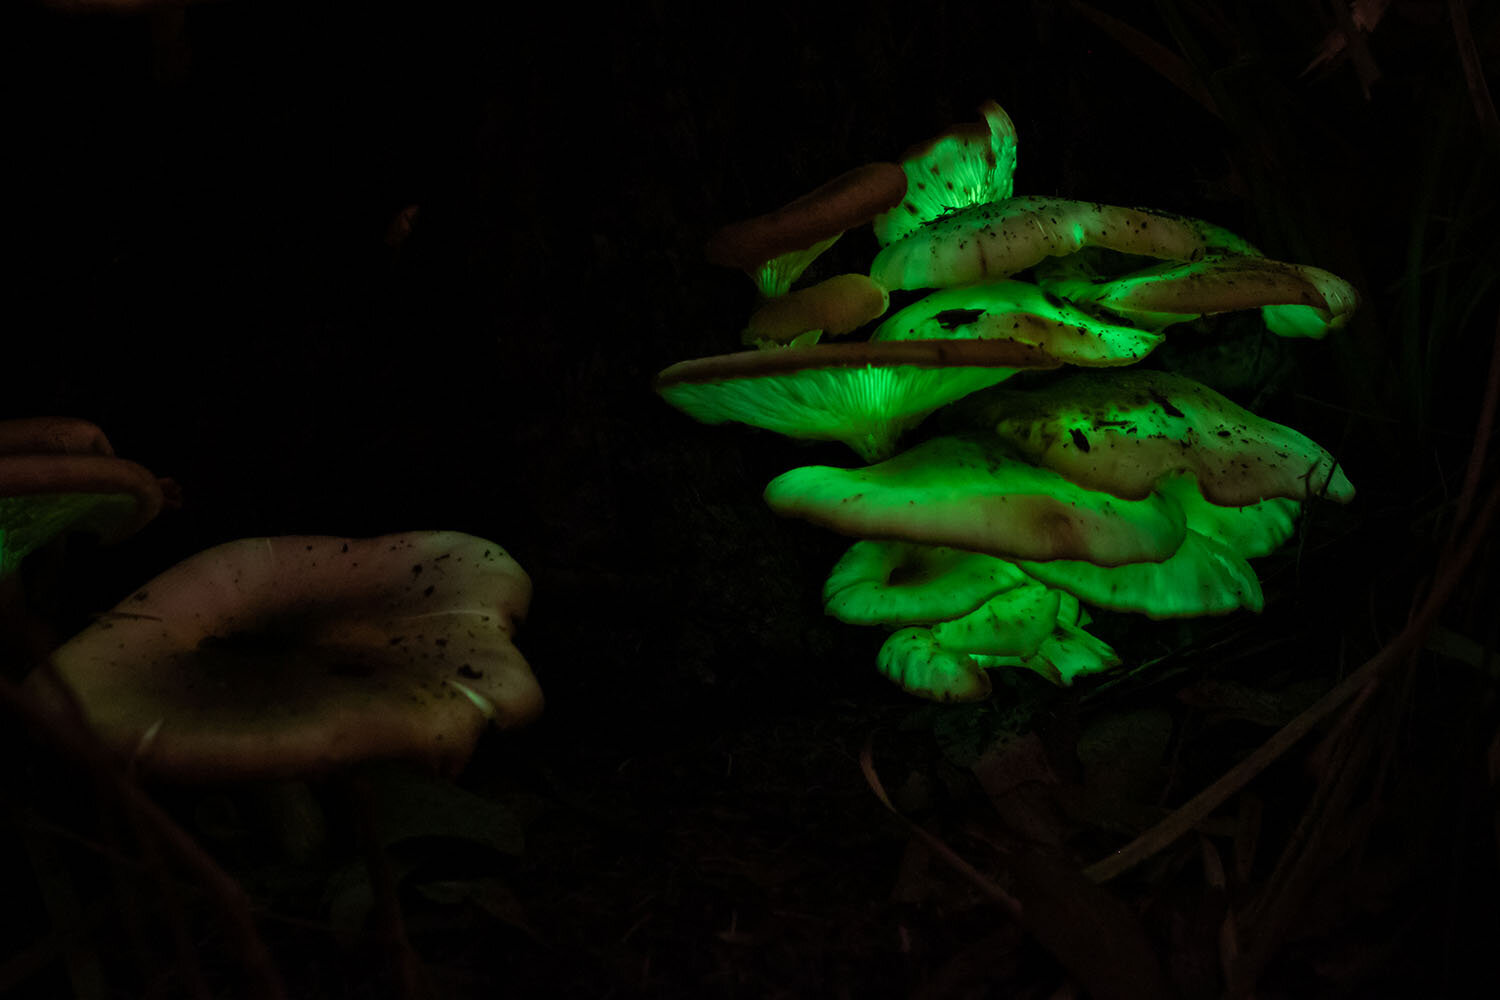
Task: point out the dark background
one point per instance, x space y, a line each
203 263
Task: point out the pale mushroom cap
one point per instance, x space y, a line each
801 229
1125 432
274 657
965 492
1176 292
836 306
993 241
1021 312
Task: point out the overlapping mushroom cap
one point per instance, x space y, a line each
58 474
1126 432
273 657
1021 312
865 395
966 492
775 248
969 164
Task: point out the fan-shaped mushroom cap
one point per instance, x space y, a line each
913 659
836 306
274 657
1254 530
1125 432
774 249
1173 293
987 242
965 492
970 164
58 473
899 583
1201 578
1013 623
865 395
1022 312
1066 654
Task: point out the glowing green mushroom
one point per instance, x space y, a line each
1013 623
966 492
1125 432
970 164
1068 653
913 659
1173 293
863 394
1019 311
1256 529
774 249
993 241
1202 577
899 583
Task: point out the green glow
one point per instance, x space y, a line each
899 583
1016 310
968 165
1125 432
986 242
1250 531
1173 293
865 395
1202 577
1011 624
1068 653
914 660
966 492
776 276
30 521
866 408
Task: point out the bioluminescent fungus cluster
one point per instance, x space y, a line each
1121 488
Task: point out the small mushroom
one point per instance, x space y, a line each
774 249
834 307
278 657
865 395
966 492
1021 312
1125 432
970 164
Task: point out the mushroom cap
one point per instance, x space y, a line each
274 657
1202 577
913 659
56 474
1172 293
820 216
863 394
1126 431
970 164
1251 531
836 306
1013 623
966 492
900 583
986 242
1021 312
